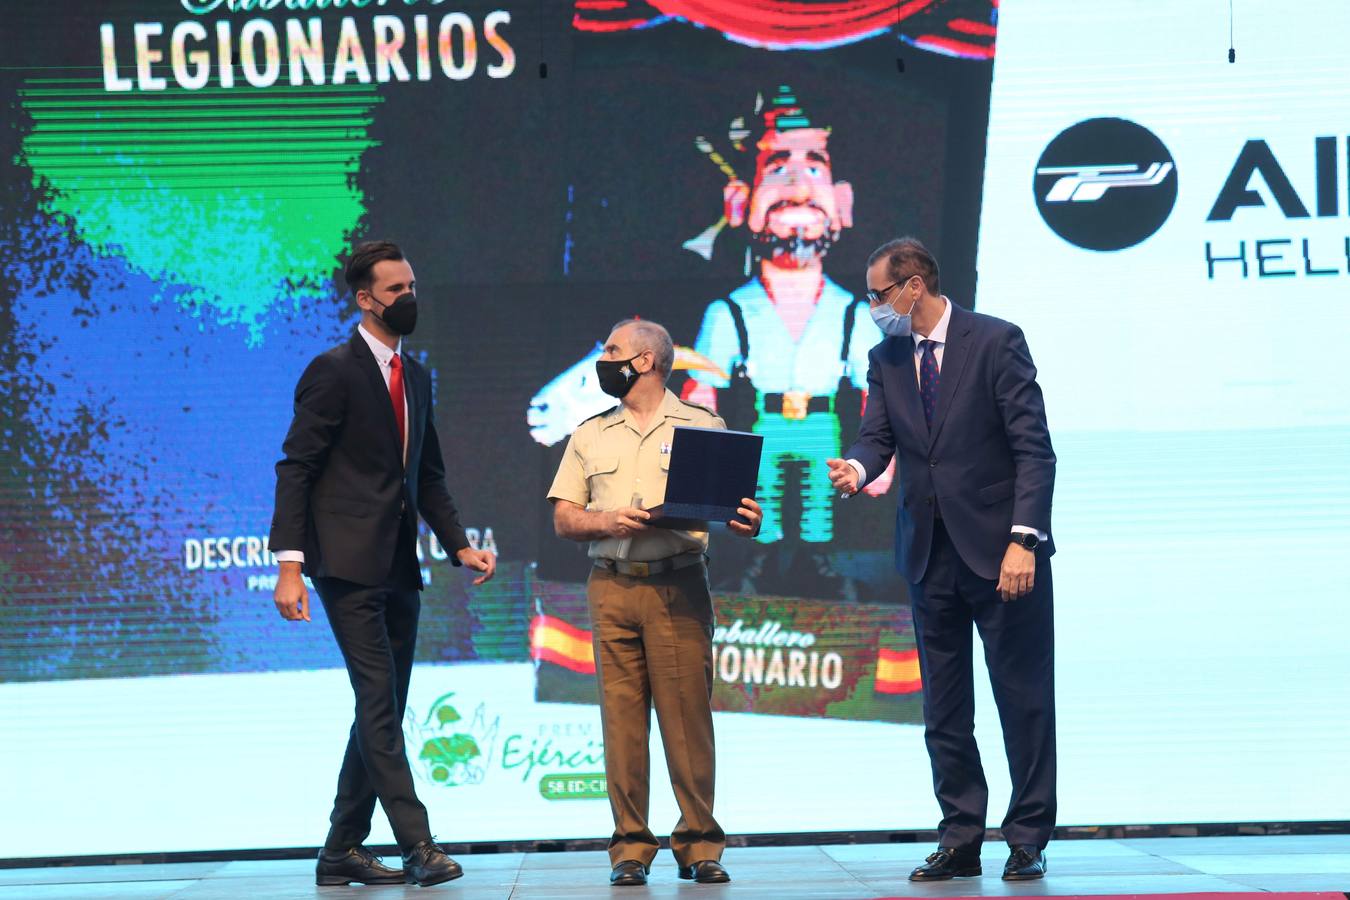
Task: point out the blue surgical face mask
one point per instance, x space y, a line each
892 323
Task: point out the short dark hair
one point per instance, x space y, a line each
363 259
906 257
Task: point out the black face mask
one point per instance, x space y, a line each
617 376
401 315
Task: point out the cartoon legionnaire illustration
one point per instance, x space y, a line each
793 342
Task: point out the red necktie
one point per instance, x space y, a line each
396 394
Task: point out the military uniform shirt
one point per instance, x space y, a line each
609 459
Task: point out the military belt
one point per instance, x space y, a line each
647 569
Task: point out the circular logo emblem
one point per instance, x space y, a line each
1105 184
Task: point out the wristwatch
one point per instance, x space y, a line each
1026 539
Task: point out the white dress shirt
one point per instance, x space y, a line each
939 337
383 355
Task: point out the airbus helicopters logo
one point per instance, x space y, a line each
1105 184
1086 184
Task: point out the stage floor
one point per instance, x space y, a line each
1081 867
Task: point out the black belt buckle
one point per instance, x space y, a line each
644 569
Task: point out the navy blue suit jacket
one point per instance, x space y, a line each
986 463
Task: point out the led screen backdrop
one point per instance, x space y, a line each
1173 232
188 176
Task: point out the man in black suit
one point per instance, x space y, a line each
361 460
952 395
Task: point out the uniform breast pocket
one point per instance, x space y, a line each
601 466
600 475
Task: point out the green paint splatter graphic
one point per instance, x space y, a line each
237 193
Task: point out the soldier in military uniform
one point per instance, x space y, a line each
651 611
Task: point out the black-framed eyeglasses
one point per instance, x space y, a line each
875 297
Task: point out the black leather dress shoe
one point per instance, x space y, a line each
628 873
708 871
948 862
338 867
1025 863
427 864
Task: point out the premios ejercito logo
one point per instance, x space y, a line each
448 751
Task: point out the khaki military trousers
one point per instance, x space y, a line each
653 647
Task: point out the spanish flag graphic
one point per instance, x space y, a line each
898 672
554 641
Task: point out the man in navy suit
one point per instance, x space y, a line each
952 395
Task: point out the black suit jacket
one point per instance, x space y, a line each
342 489
986 463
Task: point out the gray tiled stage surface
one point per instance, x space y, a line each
855 871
